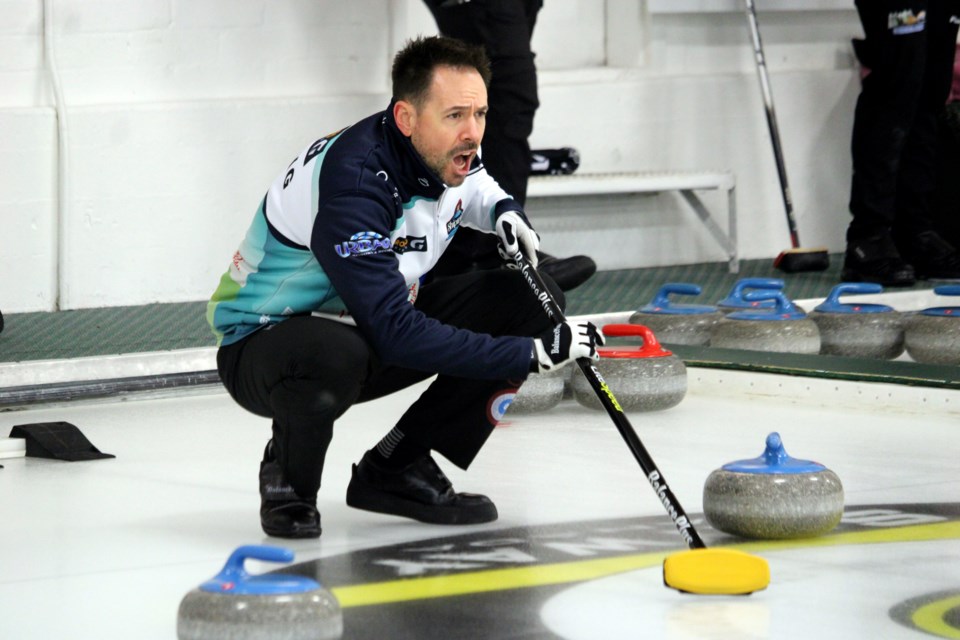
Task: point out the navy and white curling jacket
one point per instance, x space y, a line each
346 232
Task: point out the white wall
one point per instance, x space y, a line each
178 113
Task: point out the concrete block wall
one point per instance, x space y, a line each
176 114
696 105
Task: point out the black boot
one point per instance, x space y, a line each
876 260
933 257
568 273
284 514
420 491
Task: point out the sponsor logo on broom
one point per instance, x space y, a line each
606 389
542 296
661 490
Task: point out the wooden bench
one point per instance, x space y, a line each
686 183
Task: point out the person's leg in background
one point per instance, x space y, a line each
883 117
504 28
914 229
946 203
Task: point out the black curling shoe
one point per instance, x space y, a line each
420 491
568 273
284 514
876 260
933 258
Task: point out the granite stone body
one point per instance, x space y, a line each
679 329
234 605
646 379
870 335
672 323
783 329
758 506
858 330
540 392
933 335
314 615
773 496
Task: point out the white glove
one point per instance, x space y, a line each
516 234
565 343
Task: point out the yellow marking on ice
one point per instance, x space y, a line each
578 571
912 533
930 617
492 580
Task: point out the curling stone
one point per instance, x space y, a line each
539 392
677 323
932 336
737 300
773 496
858 330
644 378
783 329
233 605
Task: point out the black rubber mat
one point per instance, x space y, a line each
818 366
104 331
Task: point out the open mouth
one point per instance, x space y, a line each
461 162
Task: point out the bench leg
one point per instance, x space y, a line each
732 225
728 243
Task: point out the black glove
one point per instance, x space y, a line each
565 343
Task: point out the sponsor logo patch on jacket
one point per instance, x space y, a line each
363 243
454 222
409 243
906 21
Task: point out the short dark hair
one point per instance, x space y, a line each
413 66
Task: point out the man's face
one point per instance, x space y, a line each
448 127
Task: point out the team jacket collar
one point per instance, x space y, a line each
415 176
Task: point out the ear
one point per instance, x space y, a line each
405 114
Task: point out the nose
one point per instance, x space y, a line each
472 130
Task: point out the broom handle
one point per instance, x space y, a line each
608 400
772 123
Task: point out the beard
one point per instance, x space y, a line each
439 162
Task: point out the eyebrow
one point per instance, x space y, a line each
461 107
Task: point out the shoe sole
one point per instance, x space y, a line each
369 499
937 278
295 535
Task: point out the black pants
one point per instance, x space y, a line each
946 201
504 28
305 372
895 126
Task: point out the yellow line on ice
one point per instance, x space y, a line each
491 580
577 571
930 617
